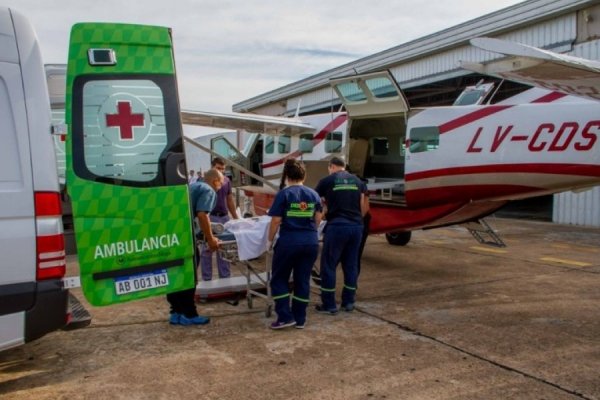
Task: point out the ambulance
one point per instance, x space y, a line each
33 301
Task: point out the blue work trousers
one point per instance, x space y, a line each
341 243
299 260
207 257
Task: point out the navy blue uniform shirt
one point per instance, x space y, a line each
296 205
341 191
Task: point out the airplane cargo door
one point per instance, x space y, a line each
126 172
377 111
368 95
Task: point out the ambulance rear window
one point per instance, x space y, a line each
126 129
124 133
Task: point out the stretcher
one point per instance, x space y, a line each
243 244
386 186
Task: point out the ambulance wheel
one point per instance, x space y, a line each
269 310
398 238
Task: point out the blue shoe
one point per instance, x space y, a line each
348 307
300 326
281 324
322 310
197 320
174 319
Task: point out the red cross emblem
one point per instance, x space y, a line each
303 206
124 120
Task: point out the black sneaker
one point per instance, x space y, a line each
322 310
280 324
348 307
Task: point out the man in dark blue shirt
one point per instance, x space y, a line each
343 195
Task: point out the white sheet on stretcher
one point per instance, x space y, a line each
251 235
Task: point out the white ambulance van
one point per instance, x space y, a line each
33 301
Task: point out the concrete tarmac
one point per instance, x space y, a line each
441 318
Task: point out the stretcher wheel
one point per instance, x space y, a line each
269 310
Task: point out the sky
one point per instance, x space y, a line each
229 51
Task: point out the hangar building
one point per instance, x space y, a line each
427 71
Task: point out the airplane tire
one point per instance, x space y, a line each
398 238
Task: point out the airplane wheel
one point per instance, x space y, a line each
398 238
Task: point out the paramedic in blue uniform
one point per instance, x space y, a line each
296 212
343 195
203 198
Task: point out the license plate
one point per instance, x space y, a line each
137 283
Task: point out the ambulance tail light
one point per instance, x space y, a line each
50 249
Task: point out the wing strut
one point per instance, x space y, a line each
233 164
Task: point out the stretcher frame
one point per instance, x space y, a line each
228 252
256 276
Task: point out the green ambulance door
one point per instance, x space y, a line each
126 172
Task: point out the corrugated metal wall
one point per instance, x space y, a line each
577 208
556 34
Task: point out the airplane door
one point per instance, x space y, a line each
374 94
228 151
126 172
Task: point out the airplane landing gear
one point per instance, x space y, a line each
398 238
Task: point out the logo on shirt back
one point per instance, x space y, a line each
345 184
301 209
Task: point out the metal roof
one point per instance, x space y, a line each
504 20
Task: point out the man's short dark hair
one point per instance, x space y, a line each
217 160
338 162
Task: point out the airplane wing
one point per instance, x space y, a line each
249 122
540 68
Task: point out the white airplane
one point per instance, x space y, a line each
430 167
439 166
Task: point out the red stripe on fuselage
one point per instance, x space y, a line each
554 169
319 137
490 110
470 117
550 97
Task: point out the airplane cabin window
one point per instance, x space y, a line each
306 143
225 149
333 142
424 139
269 145
380 146
284 144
